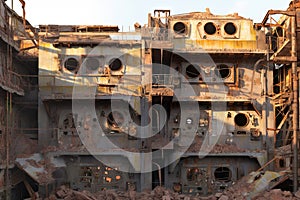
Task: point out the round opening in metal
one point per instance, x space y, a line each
71 64
192 71
223 71
222 174
115 119
210 28
92 63
241 119
115 64
179 28
230 28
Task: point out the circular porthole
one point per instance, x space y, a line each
71 64
92 63
210 28
223 71
230 28
115 64
192 71
241 120
179 28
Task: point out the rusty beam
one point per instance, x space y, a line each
285 59
283 120
266 25
266 164
273 12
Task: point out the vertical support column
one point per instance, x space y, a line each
146 157
7 143
146 82
7 148
9 122
295 104
270 116
268 110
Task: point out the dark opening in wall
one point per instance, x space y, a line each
192 71
115 119
279 32
222 174
230 28
71 64
281 163
210 28
115 64
179 28
241 119
223 71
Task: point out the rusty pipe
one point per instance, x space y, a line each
159 172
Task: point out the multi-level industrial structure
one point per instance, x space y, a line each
192 102
18 98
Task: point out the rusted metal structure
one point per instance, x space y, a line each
18 108
192 102
284 45
193 74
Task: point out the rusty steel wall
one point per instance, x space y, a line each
192 102
221 67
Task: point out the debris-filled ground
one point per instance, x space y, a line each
239 192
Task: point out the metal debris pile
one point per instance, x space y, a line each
257 186
159 193
65 193
254 186
38 167
277 194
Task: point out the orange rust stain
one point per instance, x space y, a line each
227 44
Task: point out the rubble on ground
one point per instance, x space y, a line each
159 193
276 194
240 191
255 186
